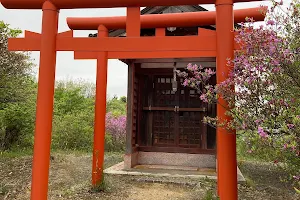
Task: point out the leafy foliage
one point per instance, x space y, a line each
265 104
73 124
17 93
73 118
116 106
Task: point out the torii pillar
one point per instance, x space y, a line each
226 139
100 112
44 109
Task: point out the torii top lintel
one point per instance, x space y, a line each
72 4
166 20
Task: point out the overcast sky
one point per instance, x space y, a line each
67 67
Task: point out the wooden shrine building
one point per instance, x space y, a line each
164 118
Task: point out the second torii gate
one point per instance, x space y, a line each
220 45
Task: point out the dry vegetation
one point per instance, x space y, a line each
70 179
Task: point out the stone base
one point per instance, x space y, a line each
171 159
130 160
186 174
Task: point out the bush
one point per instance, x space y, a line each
17 126
116 106
275 149
73 132
115 132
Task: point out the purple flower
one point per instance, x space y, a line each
261 132
189 66
296 177
185 83
290 126
203 97
276 69
258 121
209 72
270 22
116 126
244 126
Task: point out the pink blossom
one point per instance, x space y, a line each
203 97
290 126
261 132
185 83
258 121
297 177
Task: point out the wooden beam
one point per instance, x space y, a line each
178 64
160 32
32 41
129 123
160 54
71 4
133 23
144 55
172 60
176 43
142 44
24 44
188 19
177 150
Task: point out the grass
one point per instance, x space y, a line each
15 153
70 175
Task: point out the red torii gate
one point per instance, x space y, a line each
220 44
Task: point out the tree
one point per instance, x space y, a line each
15 69
17 92
116 106
265 72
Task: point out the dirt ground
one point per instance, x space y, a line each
70 179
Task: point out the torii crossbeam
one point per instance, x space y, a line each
189 19
219 45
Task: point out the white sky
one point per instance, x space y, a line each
67 67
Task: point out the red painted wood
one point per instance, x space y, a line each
100 112
44 110
226 140
188 19
69 4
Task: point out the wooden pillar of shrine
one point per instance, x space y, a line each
226 140
44 109
133 29
100 112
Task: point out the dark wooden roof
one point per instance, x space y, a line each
158 10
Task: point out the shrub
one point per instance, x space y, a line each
73 131
115 132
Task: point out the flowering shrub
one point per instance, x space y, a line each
265 103
115 132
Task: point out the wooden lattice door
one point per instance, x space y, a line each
177 115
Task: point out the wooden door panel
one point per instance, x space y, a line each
164 128
190 128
